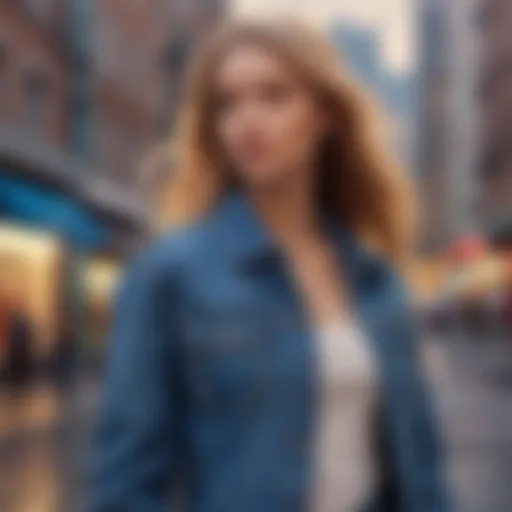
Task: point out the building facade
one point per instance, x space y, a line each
87 88
463 129
85 91
45 178
433 108
494 94
33 72
187 22
127 78
446 141
131 56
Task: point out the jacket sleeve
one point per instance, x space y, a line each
134 455
421 420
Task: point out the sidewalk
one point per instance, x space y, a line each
475 402
44 438
42 406
45 434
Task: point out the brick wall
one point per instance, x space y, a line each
130 38
494 23
33 72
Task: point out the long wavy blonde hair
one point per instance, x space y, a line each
359 181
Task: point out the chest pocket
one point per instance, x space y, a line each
228 352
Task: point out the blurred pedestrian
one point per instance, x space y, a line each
264 349
62 360
4 314
19 364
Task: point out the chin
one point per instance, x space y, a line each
263 179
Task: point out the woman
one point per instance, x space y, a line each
19 334
262 359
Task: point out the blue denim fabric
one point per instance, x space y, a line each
210 390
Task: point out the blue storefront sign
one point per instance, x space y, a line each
26 202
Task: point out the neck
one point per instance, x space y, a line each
289 212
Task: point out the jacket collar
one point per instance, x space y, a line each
244 240
241 236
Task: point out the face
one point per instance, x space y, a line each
266 120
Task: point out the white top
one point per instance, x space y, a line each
345 464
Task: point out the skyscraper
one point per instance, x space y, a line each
446 142
493 24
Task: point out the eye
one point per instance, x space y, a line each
225 101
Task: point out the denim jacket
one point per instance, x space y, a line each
210 388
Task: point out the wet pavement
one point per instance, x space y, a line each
44 439
45 432
474 393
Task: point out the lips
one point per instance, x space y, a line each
253 149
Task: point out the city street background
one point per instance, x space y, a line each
45 433
89 94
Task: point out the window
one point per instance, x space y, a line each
37 101
486 15
42 10
4 63
82 128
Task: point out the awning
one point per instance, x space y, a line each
29 159
37 206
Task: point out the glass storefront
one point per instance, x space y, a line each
48 252
101 276
30 274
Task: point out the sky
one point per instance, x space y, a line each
392 18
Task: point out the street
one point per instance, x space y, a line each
44 433
475 399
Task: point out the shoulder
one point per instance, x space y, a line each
397 285
374 275
164 258
402 308
379 276
396 290
387 287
